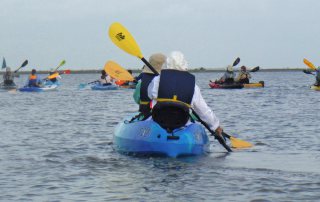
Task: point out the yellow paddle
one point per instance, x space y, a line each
309 64
61 64
52 76
237 143
117 72
122 38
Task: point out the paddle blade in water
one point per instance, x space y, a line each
82 85
236 62
309 64
122 38
237 143
117 72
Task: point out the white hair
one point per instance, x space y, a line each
176 61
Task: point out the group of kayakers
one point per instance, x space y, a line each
230 78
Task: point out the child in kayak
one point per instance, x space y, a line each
105 79
228 77
34 79
243 76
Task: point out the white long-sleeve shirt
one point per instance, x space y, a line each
198 104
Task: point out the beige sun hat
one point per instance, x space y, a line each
156 60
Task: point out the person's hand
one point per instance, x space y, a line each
218 131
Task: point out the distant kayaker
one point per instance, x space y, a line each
228 77
177 85
34 80
105 79
55 79
140 95
8 77
243 76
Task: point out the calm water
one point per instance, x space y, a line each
57 146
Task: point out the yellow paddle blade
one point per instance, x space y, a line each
116 71
52 76
309 64
237 143
122 38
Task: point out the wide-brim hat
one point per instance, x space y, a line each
156 60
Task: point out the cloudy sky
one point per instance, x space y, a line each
211 33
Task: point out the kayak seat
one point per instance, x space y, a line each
170 115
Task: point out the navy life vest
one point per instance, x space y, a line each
176 89
144 106
177 85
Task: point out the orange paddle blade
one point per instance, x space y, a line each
309 64
52 76
237 143
116 71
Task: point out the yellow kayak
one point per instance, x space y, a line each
254 85
315 87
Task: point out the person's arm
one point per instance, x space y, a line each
136 94
153 89
204 111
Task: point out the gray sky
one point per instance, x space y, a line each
211 33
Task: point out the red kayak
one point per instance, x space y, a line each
236 85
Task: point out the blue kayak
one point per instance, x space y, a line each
148 138
102 87
38 89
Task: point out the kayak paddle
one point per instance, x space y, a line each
218 137
61 64
116 71
255 69
122 38
237 143
309 64
307 72
4 64
23 65
236 62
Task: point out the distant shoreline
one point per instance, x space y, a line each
199 70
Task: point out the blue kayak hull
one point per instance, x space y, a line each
148 138
38 89
101 87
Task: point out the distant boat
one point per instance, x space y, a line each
4 64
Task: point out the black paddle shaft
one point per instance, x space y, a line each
218 137
150 66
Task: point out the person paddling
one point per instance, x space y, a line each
228 77
243 76
8 77
54 79
105 79
176 86
141 93
34 80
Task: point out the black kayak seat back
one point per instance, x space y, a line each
170 114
